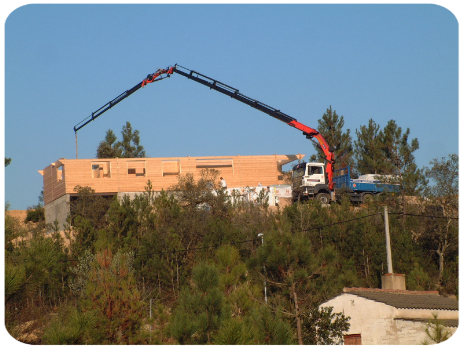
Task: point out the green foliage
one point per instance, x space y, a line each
368 149
4 162
440 235
201 308
270 328
35 214
444 173
197 255
87 217
71 326
322 326
234 331
15 279
331 127
112 293
109 148
435 331
389 151
129 147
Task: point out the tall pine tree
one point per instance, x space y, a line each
368 148
129 147
108 148
399 158
331 127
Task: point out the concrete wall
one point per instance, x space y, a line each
59 209
378 323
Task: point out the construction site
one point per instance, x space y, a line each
128 176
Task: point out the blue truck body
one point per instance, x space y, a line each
343 180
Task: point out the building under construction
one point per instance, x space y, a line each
129 176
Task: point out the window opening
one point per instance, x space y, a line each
136 168
170 167
60 173
215 163
101 169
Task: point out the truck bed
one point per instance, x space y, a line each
342 180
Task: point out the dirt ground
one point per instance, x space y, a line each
18 214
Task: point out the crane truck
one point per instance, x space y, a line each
309 180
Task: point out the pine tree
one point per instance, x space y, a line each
399 158
368 147
331 127
441 235
108 148
129 147
130 144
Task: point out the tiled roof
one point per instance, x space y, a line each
406 299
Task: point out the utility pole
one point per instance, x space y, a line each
388 241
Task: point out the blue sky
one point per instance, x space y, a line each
62 62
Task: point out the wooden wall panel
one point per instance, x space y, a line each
131 175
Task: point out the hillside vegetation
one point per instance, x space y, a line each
189 267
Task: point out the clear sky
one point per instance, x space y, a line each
62 62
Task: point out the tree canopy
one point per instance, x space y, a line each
331 127
129 147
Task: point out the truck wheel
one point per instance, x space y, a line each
323 198
367 198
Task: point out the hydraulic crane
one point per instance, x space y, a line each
234 93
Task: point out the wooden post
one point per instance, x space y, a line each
77 154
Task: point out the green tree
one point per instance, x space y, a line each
129 147
130 144
322 326
87 217
435 331
112 294
400 160
36 213
201 309
71 327
331 127
441 234
4 162
368 149
109 148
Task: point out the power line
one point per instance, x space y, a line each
340 222
428 216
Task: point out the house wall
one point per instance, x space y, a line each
118 175
378 323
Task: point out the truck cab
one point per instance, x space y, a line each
309 181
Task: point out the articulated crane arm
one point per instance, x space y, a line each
231 92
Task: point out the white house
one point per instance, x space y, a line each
388 316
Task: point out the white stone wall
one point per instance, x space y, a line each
376 322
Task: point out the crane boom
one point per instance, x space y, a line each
231 92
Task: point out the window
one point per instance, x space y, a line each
214 163
170 167
136 168
60 173
101 169
299 170
316 170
